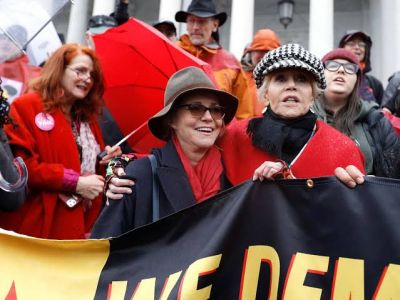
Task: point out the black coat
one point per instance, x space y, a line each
135 209
385 144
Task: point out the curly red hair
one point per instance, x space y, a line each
51 90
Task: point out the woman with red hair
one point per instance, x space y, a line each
59 138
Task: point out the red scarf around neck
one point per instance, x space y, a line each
204 178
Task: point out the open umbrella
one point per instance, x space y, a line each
25 26
137 61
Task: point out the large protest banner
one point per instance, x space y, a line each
294 239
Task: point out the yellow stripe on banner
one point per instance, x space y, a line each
32 268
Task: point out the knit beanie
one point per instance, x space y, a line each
341 53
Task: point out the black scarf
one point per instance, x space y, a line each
283 138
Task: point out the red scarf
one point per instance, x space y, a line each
204 178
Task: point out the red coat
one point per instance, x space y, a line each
327 150
46 154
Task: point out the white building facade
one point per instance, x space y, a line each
317 24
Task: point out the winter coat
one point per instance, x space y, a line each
326 150
376 138
263 40
135 209
8 200
46 154
391 97
227 71
371 89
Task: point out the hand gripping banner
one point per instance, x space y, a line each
291 239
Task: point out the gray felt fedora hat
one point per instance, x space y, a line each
186 80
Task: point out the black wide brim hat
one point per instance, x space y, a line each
190 79
202 9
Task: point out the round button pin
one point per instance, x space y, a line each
44 121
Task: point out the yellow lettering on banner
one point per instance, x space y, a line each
117 290
169 285
201 267
348 280
255 256
145 289
300 265
389 284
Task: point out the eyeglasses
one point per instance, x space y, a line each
82 73
198 110
360 44
333 66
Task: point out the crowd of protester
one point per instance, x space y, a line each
278 113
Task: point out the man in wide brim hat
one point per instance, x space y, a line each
202 41
202 9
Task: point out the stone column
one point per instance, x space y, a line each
78 22
168 9
181 28
321 26
103 7
385 34
242 23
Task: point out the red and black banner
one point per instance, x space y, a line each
293 239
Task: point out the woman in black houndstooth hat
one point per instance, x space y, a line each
289 141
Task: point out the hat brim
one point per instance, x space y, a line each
297 64
99 29
181 16
157 124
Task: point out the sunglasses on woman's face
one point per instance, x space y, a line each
333 66
198 110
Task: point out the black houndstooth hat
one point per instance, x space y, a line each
290 56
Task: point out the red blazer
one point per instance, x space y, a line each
46 154
327 150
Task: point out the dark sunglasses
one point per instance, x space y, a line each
198 110
333 66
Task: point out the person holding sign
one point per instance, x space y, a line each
188 169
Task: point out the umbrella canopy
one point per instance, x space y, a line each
137 61
25 25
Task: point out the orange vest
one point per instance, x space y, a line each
228 74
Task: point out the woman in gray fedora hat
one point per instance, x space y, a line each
188 169
201 40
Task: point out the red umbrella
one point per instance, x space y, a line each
137 61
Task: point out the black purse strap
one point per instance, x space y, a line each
156 192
